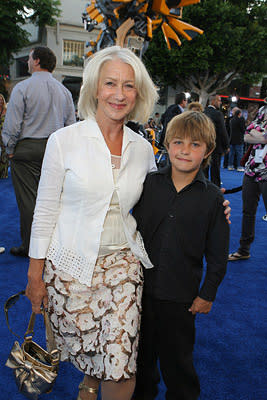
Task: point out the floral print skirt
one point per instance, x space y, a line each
97 328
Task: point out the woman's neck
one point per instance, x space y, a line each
113 136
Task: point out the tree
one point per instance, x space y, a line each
233 45
16 13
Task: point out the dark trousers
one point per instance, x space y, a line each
167 335
25 172
226 160
251 192
212 172
236 151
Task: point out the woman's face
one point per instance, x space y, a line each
116 92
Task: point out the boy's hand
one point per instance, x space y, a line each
200 306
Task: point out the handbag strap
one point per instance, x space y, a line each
49 333
8 304
51 345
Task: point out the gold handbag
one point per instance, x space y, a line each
35 369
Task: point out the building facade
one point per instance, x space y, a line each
67 39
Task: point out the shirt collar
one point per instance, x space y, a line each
90 128
42 73
200 177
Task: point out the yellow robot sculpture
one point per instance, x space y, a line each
131 24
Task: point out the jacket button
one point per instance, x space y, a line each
171 215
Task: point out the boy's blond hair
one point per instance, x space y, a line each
195 106
194 125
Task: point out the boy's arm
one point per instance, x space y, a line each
200 306
216 254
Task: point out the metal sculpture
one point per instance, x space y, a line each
131 24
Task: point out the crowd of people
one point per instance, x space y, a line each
119 275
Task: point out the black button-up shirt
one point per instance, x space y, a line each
179 229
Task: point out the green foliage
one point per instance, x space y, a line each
233 43
45 12
13 15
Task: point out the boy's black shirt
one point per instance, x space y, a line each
178 230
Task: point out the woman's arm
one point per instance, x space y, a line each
255 137
45 217
47 206
36 290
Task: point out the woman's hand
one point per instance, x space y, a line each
227 210
36 290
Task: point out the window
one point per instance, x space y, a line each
22 67
73 51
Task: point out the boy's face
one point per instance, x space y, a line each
186 155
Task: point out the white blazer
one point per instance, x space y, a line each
74 195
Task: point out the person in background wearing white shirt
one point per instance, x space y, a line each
38 106
85 250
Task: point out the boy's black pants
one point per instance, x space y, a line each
167 334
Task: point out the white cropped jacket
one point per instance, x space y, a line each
74 194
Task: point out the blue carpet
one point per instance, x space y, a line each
230 351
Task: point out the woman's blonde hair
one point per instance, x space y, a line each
4 102
194 125
146 91
195 106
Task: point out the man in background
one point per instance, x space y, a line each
227 126
212 172
172 111
38 106
237 131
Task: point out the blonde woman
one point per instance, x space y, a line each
85 251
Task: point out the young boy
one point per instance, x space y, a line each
181 218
